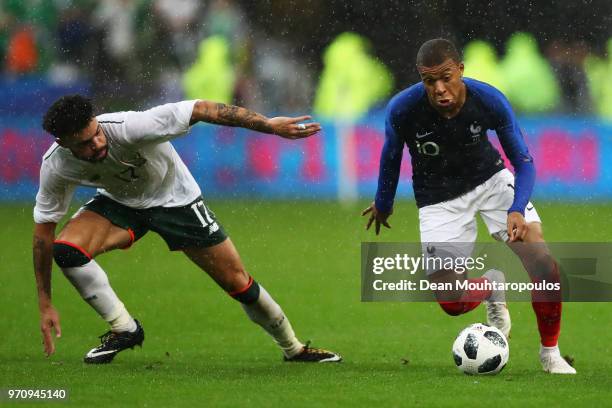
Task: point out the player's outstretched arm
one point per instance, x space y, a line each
230 115
42 251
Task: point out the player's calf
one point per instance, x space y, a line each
454 300
457 308
548 316
92 284
480 289
69 255
248 294
264 311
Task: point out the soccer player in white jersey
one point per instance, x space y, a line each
142 185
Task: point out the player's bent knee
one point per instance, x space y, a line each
68 255
534 233
247 295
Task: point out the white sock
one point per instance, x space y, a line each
546 351
123 322
92 283
269 315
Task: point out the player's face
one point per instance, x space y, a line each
444 86
89 144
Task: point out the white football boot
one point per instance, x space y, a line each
497 310
553 363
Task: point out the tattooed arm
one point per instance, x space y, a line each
42 251
230 115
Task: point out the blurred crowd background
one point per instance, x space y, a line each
336 58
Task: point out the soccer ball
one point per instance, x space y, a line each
481 349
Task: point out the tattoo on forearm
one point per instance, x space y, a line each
230 115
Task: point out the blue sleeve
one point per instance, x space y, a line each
390 164
513 143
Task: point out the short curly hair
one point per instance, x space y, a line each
435 52
68 115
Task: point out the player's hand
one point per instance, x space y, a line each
517 227
377 217
49 323
291 128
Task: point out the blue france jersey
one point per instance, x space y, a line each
451 157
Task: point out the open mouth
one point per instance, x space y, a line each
444 102
101 154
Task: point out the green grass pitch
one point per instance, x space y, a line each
201 350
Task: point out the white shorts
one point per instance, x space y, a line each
455 220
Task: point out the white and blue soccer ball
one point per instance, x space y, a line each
481 349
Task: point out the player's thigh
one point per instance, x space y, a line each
534 232
494 207
94 233
191 226
195 230
450 221
222 263
448 231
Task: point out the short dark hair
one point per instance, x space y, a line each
68 115
435 52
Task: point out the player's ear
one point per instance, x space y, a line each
461 68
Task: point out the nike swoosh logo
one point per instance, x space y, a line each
100 353
529 208
331 359
418 135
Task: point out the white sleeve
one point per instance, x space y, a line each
159 124
53 197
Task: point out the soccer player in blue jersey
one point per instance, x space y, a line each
457 173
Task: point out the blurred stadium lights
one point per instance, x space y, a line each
280 66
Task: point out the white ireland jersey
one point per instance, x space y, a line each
141 169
